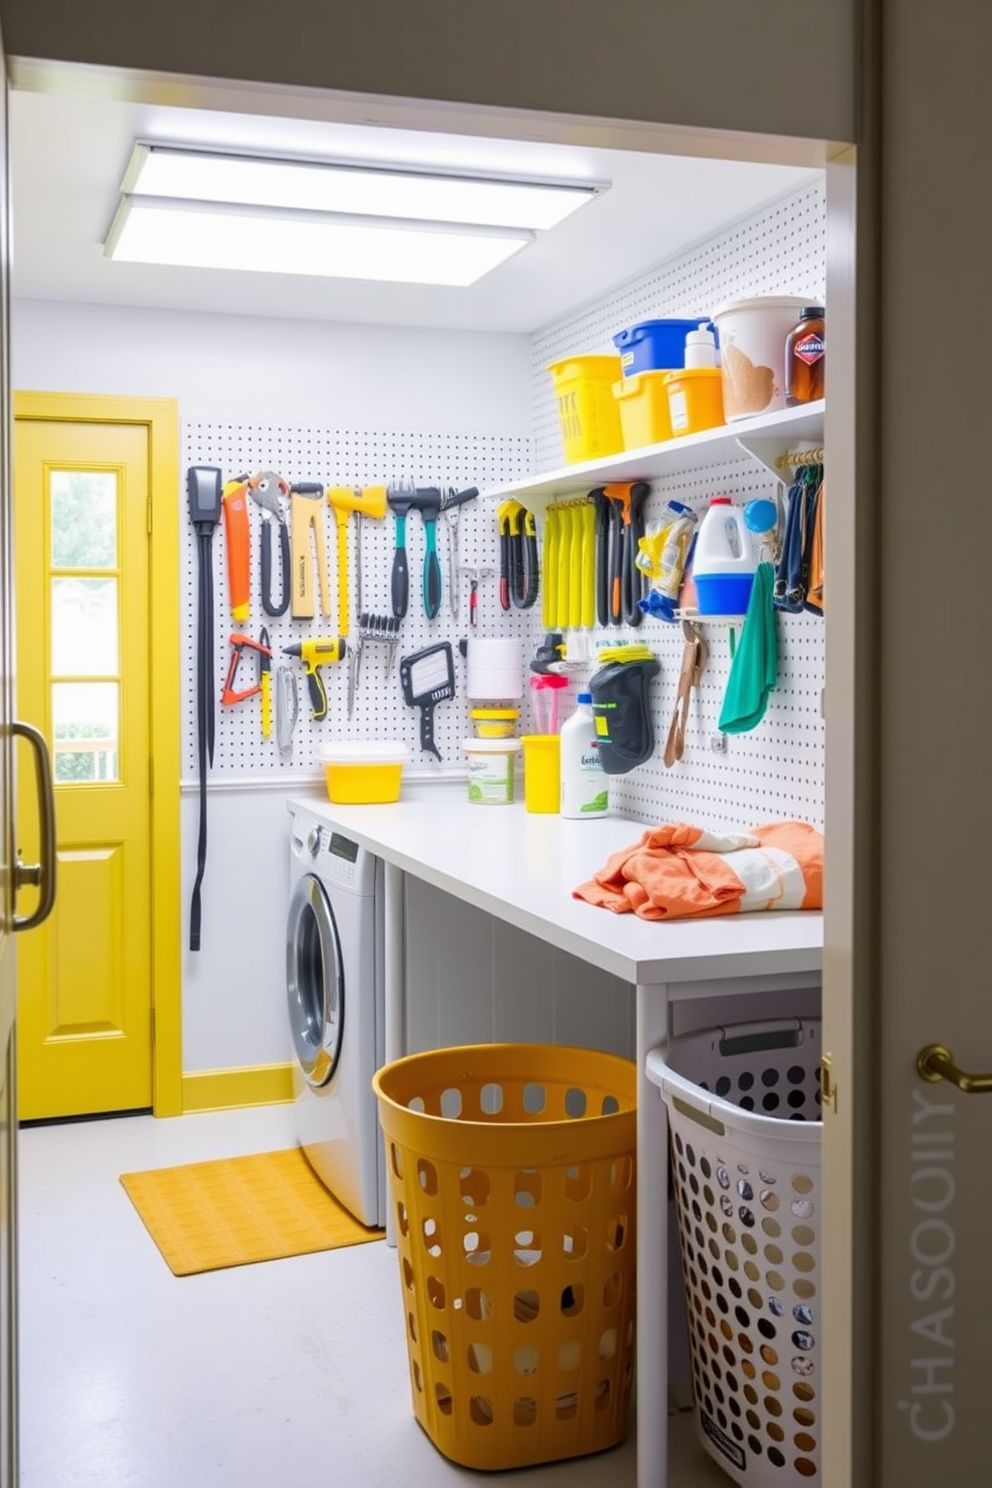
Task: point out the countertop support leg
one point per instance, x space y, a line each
394 982
652 1248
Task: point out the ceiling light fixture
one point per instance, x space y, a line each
207 209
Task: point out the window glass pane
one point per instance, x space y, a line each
84 626
84 518
85 717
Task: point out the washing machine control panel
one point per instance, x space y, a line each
313 841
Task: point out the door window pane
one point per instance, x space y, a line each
84 518
85 726
84 627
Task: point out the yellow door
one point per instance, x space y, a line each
81 524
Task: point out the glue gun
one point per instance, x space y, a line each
313 654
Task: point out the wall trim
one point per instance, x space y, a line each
219 1090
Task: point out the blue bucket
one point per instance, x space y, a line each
656 345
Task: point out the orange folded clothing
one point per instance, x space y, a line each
676 871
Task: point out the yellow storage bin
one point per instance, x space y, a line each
587 409
643 402
363 772
695 399
512 1187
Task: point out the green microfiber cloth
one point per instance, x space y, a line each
755 664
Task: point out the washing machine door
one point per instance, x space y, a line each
314 980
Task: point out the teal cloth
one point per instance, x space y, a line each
754 668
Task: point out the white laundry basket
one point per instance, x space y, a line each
744 1108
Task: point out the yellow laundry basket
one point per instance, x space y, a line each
512 1186
587 409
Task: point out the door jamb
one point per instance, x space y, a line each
160 416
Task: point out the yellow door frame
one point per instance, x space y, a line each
160 416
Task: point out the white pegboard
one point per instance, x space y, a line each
779 250
775 771
344 458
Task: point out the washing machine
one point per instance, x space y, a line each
335 996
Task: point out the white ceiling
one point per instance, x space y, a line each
68 155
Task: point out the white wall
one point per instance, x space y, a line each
289 373
277 371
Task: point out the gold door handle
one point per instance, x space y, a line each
937 1063
38 875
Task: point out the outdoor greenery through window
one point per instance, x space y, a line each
85 641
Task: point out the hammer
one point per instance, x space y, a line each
343 500
474 575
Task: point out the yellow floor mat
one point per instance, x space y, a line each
209 1215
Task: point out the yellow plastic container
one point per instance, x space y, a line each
587 409
363 772
513 1192
695 399
643 402
494 723
542 772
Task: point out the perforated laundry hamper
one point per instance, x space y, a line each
744 1107
512 1185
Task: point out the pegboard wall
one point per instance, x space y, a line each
776 770
773 772
347 458
780 250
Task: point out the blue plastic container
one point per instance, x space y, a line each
655 345
723 594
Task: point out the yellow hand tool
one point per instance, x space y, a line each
575 571
588 518
265 681
552 540
564 568
313 654
368 501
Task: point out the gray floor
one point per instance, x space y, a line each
290 1374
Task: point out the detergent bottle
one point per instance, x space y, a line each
723 564
585 787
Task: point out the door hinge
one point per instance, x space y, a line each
149 515
151 1026
828 1085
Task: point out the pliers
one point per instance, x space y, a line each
267 489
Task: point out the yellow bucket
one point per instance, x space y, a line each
542 772
512 1186
643 402
695 399
587 409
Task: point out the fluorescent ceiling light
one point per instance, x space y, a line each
315 186
202 235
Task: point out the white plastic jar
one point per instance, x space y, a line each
491 766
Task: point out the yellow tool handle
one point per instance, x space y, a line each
575 571
323 581
265 682
589 565
552 541
341 517
564 568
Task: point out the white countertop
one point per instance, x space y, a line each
523 867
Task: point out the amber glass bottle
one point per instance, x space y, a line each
806 357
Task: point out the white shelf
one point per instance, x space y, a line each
764 438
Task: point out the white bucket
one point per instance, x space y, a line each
752 352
